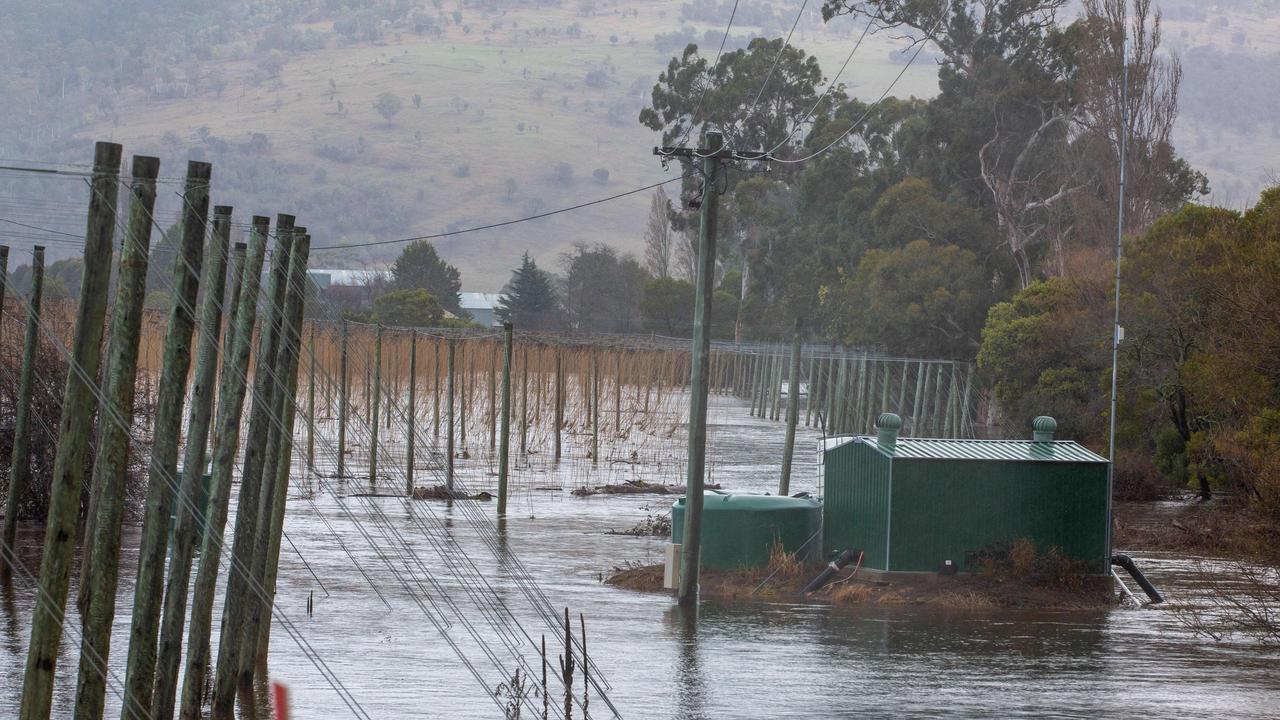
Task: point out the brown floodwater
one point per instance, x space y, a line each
767 660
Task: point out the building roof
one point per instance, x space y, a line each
479 300
1011 450
325 277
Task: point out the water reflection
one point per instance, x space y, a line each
691 687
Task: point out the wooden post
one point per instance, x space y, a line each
20 457
902 390
559 400
263 433
74 430
189 526
617 393
690 560
812 388
916 400
793 414
412 429
375 406
504 445
776 410
4 276
595 407
162 479
828 394
311 398
449 415
493 399
275 482
101 563
462 395
435 389
524 401
226 443
344 405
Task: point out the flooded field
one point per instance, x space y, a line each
776 660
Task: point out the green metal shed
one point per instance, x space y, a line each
912 504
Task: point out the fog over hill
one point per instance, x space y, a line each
382 119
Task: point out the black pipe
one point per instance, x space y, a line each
1126 562
833 568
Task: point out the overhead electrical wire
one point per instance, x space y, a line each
867 112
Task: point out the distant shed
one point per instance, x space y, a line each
912 504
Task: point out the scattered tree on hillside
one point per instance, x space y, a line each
388 105
419 266
528 300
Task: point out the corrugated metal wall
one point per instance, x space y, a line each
943 509
855 509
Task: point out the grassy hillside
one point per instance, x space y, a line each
505 99
510 92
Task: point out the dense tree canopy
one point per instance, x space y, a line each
529 300
419 266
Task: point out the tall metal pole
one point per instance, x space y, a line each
1115 328
691 551
504 443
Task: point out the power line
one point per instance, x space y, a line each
869 108
710 68
785 44
504 223
831 85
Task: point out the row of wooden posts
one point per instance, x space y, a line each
214 408
842 393
845 393
213 397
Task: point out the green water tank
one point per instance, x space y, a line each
740 530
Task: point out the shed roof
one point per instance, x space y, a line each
1011 450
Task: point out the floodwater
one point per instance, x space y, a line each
775 660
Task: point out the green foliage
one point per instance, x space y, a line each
419 266
667 307
602 290
528 301
1045 353
920 299
388 105
408 308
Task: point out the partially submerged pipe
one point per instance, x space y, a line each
1127 563
833 568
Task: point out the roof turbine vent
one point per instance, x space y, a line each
887 427
1042 429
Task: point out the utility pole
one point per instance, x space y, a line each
713 156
